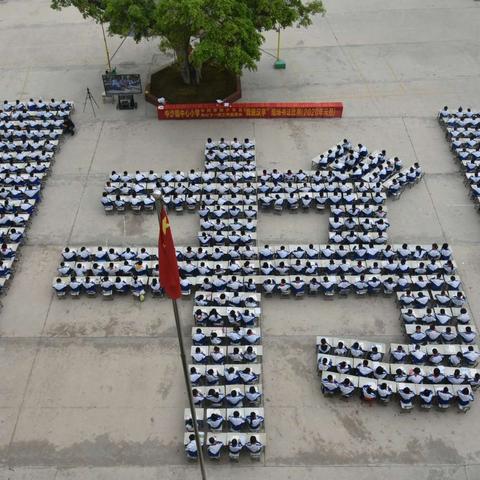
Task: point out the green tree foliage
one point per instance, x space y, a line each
228 33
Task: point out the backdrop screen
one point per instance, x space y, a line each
120 84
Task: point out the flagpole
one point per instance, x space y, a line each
159 205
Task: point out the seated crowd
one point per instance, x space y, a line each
30 133
422 276
225 374
462 130
433 374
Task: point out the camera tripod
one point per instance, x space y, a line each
89 97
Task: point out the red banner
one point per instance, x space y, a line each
196 111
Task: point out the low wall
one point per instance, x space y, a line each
196 111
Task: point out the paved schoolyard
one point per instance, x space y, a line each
93 389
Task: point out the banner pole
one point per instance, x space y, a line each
198 441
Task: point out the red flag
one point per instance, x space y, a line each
167 259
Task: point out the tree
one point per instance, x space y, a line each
228 33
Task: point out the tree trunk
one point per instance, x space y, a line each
187 71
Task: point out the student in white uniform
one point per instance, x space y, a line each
444 398
426 396
214 448
253 396
329 385
60 287
254 446
191 447
465 398
254 421
471 356
234 448
467 336
346 388
236 421
215 421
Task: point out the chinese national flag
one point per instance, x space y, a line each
167 259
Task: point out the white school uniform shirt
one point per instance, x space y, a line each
215 448
384 392
468 337
191 447
406 396
471 355
198 356
254 447
236 421
255 422
252 396
59 287
418 354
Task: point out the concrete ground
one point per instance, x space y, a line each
93 389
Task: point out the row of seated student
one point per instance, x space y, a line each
223 161
241 238
434 373
227 316
360 284
365 252
349 189
372 169
32 126
107 286
390 260
153 180
232 419
453 356
414 353
409 276
29 135
424 299
234 395
319 199
457 356
437 316
30 181
19 193
295 285
215 448
17 146
449 353
339 224
330 277
218 354
442 396
322 252
36 106
228 336
424 334
23 156
234 207
234 144
236 299
17 206
24 167
235 224
235 385
120 203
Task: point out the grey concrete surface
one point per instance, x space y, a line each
92 389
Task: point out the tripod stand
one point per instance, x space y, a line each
89 97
